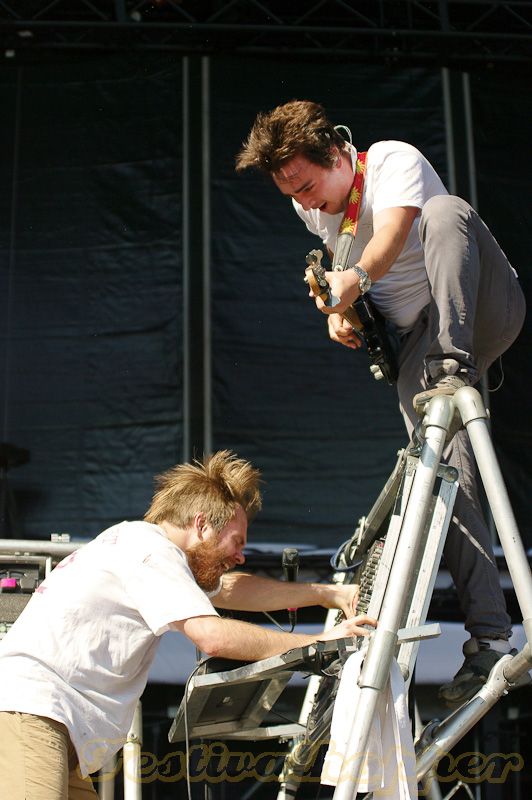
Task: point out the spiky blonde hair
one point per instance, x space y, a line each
215 486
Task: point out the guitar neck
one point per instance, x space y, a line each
315 279
352 317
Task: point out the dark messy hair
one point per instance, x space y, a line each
299 127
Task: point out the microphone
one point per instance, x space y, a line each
290 570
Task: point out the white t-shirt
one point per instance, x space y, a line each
80 651
396 175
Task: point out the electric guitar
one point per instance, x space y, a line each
368 323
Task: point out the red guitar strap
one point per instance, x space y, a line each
349 224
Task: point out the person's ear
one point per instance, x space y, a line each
200 525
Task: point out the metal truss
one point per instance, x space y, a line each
450 32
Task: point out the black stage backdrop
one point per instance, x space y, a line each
91 290
91 284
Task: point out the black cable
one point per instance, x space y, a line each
278 624
501 380
335 558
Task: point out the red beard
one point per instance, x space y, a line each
206 563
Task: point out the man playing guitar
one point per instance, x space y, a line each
432 268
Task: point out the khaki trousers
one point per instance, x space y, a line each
38 761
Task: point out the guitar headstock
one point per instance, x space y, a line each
315 275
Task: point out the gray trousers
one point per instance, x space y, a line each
476 312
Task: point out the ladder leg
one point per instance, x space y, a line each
383 641
132 754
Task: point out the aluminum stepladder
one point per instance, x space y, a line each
401 595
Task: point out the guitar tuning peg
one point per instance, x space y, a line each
314 257
377 372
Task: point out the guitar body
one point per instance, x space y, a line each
380 348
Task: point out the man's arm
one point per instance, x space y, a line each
227 638
390 231
244 592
